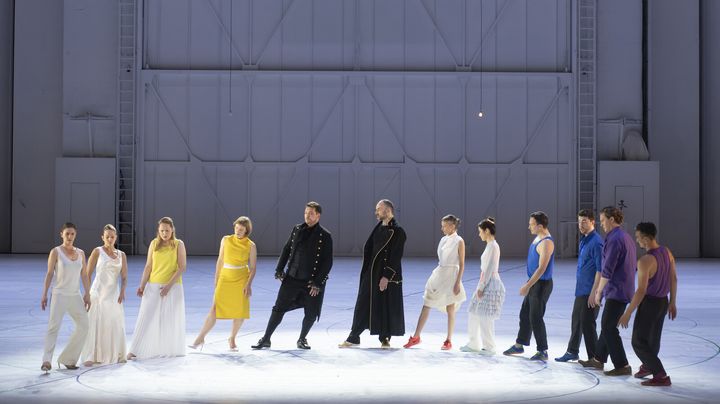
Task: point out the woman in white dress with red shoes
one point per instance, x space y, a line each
444 289
105 341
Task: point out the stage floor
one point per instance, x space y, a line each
328 374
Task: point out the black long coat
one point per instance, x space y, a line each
382 257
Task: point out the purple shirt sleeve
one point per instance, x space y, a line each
610 257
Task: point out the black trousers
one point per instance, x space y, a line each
532 313
293 294
583 326
647 330
609 342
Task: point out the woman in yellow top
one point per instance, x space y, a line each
160 327
234 273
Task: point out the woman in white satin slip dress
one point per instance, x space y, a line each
105 342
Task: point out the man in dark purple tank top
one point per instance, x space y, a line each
656 279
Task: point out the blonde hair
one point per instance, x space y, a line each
246 223
109 227
168 221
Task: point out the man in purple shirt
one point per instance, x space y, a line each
617 285
656 279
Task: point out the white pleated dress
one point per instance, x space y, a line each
439 287
105 341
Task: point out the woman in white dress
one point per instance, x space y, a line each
160 326
486 304
444 289
66 263
105 342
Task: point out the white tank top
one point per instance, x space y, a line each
67 273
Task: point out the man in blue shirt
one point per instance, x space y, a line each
617 286
584 313
537 289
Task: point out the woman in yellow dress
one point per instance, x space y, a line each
234 273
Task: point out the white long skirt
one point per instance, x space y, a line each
105 341
160 327
439 289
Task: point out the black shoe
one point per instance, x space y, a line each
262 343
302 344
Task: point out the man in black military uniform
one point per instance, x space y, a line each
303 269
379 305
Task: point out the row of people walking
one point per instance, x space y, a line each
605 270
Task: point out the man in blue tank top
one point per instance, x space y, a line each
584 313
656 279
616 286
540 262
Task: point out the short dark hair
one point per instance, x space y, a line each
488 224
613 212
647 229
452 219
68 225
587 213
389 204
540 218
314 205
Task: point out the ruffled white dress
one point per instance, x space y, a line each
490 305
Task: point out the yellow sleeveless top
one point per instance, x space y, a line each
236 251
164 264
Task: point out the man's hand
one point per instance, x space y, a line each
43 302
624 320
524 290
314 290
383 283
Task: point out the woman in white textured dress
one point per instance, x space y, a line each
160 326
105 342
487 301
444 290
67 264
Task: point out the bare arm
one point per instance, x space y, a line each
146 272
85 280
92 263
545 249
182 265
220 260
52 260
672 308
123 277
644 266
252 265
461 255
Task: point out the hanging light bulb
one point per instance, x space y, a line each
480 114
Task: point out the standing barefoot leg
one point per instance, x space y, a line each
237 323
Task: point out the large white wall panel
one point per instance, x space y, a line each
499 35
347 140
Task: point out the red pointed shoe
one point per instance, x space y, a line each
412 342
